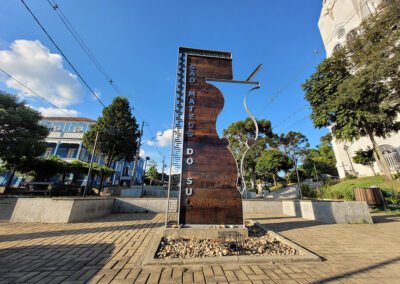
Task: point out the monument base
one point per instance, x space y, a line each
191 246
202 233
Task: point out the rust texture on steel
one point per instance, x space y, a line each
209 171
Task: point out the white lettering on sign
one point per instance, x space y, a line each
190 126
192 74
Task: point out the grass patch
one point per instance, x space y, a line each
378 181
344 189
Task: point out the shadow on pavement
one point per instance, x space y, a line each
272 218
286 226
49 234
121 217
358 271
385 218
53 263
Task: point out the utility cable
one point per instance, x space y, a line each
62 53
84 46
330 38
291 115
293 124
33 92
281 90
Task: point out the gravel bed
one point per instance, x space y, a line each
258 243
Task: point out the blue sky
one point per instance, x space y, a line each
137 42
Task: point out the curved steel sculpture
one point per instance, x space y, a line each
249 142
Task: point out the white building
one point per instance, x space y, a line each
65 140
337 20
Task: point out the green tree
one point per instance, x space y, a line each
322 157
22 138
365 157
295 145
238 133
272 161
356 90
152 173
117 133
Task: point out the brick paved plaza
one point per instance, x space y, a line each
109 250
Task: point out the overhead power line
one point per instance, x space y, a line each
84 46
62 53
33 92
280 91
291 115
296 122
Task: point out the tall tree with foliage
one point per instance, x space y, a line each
118 133
151 172
272 161
356 90
238 133
22 138
295 145
322 158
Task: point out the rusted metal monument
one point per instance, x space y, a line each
204 173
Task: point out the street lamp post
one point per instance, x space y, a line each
91 164
137 153
144 173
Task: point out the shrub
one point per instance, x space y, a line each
350 176
329 192
348 194
306 191
328 181
393 196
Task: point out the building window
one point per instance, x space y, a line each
337 47
341 33
392 157
49 152
78 129
71 153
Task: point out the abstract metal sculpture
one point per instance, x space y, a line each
249 143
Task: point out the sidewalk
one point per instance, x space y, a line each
109 250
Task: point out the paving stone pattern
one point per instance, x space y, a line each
109 250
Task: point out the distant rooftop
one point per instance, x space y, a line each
69 118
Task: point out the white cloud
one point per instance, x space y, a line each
142 153
163 139
32 63
51 111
